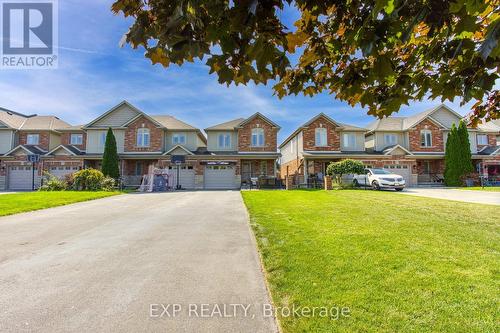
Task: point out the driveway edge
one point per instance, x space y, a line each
277 323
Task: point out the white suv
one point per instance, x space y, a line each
378 179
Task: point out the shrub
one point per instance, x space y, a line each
110 157
88 180
69 180
458 160
108 184
53 184
345 167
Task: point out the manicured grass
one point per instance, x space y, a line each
399 263
489 188
25 202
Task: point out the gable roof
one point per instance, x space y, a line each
405 123
229 125
489 150
390 149
43 123
12 119
179 147
69 148
113 109
342 126
258 114
172 123
28 149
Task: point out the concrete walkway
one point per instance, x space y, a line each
480 197
120 264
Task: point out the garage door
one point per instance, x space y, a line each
186 179
20 178
219 177
402 170
61 171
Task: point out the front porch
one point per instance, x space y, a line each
430 172
259 173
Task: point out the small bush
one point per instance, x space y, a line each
108 184
53 184
345 167
69 180
88 180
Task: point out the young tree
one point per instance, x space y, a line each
110 158
452 159
379 53
345 167
466 166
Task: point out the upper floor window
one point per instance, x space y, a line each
349 140
224 140
482 139
320 137
258 137
102 139
390 139
76 139
179 139
33 139
143 137
426 138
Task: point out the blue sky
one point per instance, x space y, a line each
94 74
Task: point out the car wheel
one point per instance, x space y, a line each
399 189
355 183
375 185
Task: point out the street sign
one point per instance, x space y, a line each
34 158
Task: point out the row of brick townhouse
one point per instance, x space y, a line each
227 157
413 147
232 154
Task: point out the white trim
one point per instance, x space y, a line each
178 146
58 147
395 147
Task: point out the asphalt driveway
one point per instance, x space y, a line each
125 263
481 197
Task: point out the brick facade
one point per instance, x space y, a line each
437 137
66 139
155 136
309 136
270 136
44 139
291 168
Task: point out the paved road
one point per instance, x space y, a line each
482 197
99 266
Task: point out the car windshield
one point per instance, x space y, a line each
380 172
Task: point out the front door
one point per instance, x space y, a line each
246 171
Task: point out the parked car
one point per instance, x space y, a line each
379 179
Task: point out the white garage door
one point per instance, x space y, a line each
61 171
219 177
186 179
402 170
20 178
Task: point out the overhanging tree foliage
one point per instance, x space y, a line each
378 53
110 158
344 167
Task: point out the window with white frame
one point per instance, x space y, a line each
143 137
320 137
33 139
224 140
426 138
390 139
179 139
258 137
76 139
482 139
349 140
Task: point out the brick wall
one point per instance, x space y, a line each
66 139
292 167
332 136
492 141
270 136
156 136
437 137
44 138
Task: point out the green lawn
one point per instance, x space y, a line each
491 188
25 202
398 263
